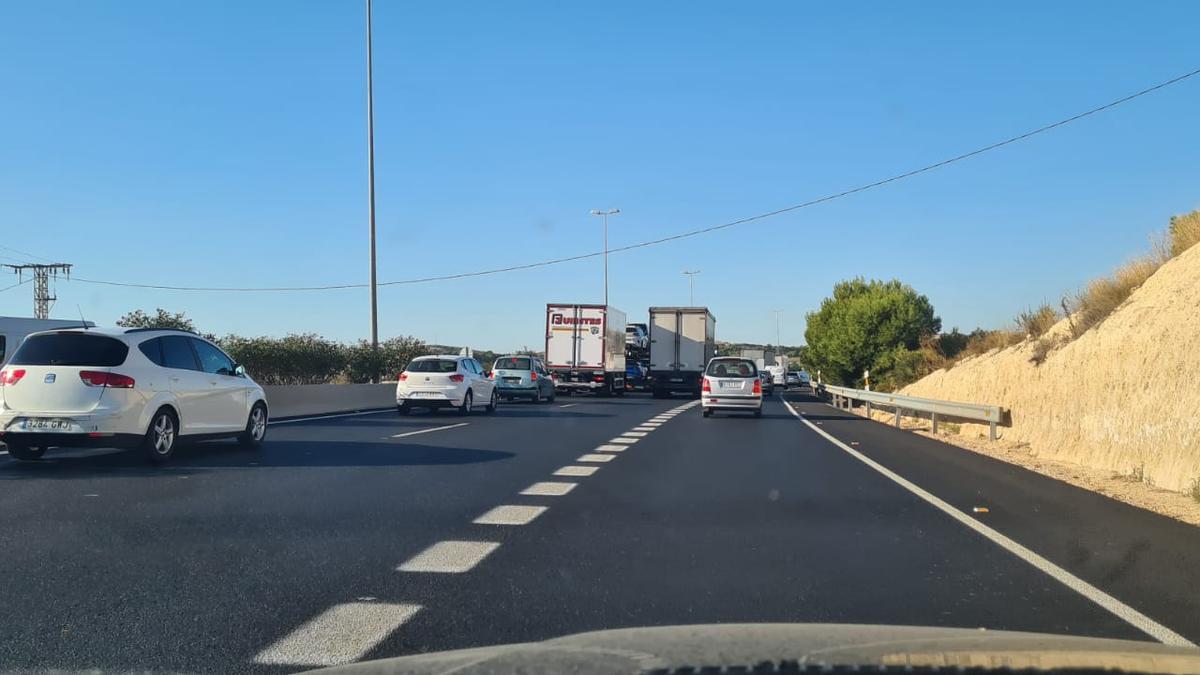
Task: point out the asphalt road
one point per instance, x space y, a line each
377 535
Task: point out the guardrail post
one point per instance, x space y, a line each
933 416
991 431
898 417
868 408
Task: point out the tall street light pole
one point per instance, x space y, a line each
605 215
691 275
778 312
371 183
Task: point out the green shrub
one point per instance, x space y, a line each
1035 322
295 359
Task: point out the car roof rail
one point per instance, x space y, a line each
172 330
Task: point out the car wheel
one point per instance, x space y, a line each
25 452
403 408
161 436
465 408
256 428
491 406
708 412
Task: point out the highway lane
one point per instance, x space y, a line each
340 541
196 566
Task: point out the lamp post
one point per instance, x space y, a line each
691 275
605 214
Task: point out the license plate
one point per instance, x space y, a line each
677 379
512 380
43 424
422 394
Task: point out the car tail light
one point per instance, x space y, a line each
402 377
457 377
706 386
491 374
11 376
533 376
757 386
96 378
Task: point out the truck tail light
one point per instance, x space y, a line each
402 377
11 376
98 378
758 386
457 377
597 378
706 386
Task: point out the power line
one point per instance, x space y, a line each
690 233
24 253
19 283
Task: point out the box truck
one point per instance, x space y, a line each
682 341
585 348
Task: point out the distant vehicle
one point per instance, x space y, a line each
523 377
433 382
793 379
768 382
805 378
731 383
125 387
682 341
585 348
14 329
636 336
635 376
778 374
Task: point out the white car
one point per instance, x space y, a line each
135 387
433 382
731 383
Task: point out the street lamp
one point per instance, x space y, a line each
371 188
778 312
691 275
605 214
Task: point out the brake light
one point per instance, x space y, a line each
11 376
757 386
457 377
491 374
598 378
706 386
533 376
402 377
96 378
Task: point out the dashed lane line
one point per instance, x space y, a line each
510 514
596 458
449 557
576 471
611 448
623 441
643 428
548 489
1128 614
634 434
341 634
568 405
425 431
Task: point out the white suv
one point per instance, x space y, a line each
445 382
135 387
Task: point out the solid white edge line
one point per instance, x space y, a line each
340 635
425 431
330 417
1125 612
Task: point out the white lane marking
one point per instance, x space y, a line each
596 458
568 405
611 448
623 441
449 557
652 424
633 434
425 431
510 514
548 489
643 428
330 417
341 634
576 471
1128 614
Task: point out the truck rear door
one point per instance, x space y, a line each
692 337
561 328
662 340
590 338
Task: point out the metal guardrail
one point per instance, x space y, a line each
844 397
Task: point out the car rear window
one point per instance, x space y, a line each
513 364
70 349
732 368
432 366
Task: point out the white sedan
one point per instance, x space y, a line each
445 382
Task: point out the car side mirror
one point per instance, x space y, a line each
239 370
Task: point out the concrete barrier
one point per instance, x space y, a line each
319 399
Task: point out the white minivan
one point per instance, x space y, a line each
125 387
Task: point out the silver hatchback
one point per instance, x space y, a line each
523 377
731 383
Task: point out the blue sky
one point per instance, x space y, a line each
223 144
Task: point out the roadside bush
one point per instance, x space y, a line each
1103 295
982 341
1035 322
294 359
1184 232
951 344
363 363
